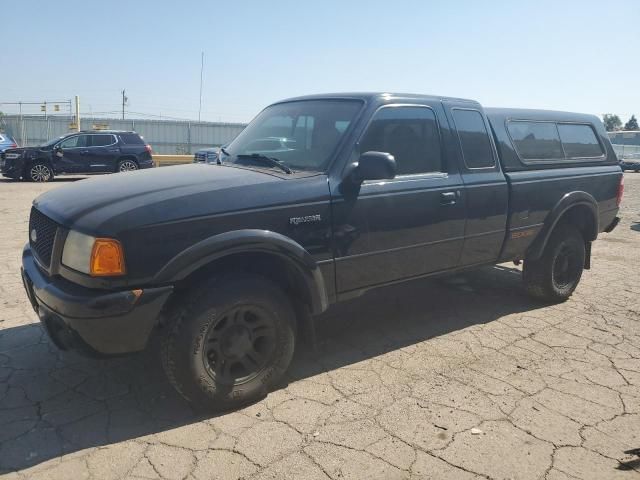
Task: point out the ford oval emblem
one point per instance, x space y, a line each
34 235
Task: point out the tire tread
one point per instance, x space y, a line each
537 274
187 308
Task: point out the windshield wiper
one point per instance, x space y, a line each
274 162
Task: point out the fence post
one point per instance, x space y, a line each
189 137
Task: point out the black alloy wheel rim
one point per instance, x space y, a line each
566 267
239 346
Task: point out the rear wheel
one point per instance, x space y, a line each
127 165
555 275
230 342
40 172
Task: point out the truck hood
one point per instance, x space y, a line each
109 204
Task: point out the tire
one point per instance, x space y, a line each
229 348
39 172
556 274
127 165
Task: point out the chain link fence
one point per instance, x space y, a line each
170 137
626 144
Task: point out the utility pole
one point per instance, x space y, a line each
77 113
201 69
124 101
21 124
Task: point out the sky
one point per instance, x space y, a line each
577 55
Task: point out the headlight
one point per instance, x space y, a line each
97 257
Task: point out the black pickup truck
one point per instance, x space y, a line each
230 261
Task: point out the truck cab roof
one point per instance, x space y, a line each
381 97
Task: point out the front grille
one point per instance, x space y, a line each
44 230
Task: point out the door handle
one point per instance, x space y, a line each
448 198
84 152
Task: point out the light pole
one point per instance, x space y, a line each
201 70
124 102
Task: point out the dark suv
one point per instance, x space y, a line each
83 152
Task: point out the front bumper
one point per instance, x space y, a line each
9 169
92 322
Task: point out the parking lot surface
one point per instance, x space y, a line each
457 378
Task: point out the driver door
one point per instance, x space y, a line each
69 153
408 226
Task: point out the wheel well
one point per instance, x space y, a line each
273 267
581 217
128 157
28 164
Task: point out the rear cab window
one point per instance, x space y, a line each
474 138
547 141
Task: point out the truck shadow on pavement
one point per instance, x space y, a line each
54 403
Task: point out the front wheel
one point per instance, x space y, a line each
229 342
555 275
127 165
40 172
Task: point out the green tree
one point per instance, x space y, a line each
611 122
632 124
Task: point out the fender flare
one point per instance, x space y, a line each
567 202
249 241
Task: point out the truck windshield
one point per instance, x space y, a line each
302 135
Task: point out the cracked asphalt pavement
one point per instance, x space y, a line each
456 378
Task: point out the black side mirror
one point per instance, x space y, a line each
374 166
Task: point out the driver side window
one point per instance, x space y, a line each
410 134
74 142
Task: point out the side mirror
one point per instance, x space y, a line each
375 166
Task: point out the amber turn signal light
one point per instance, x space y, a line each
107 258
